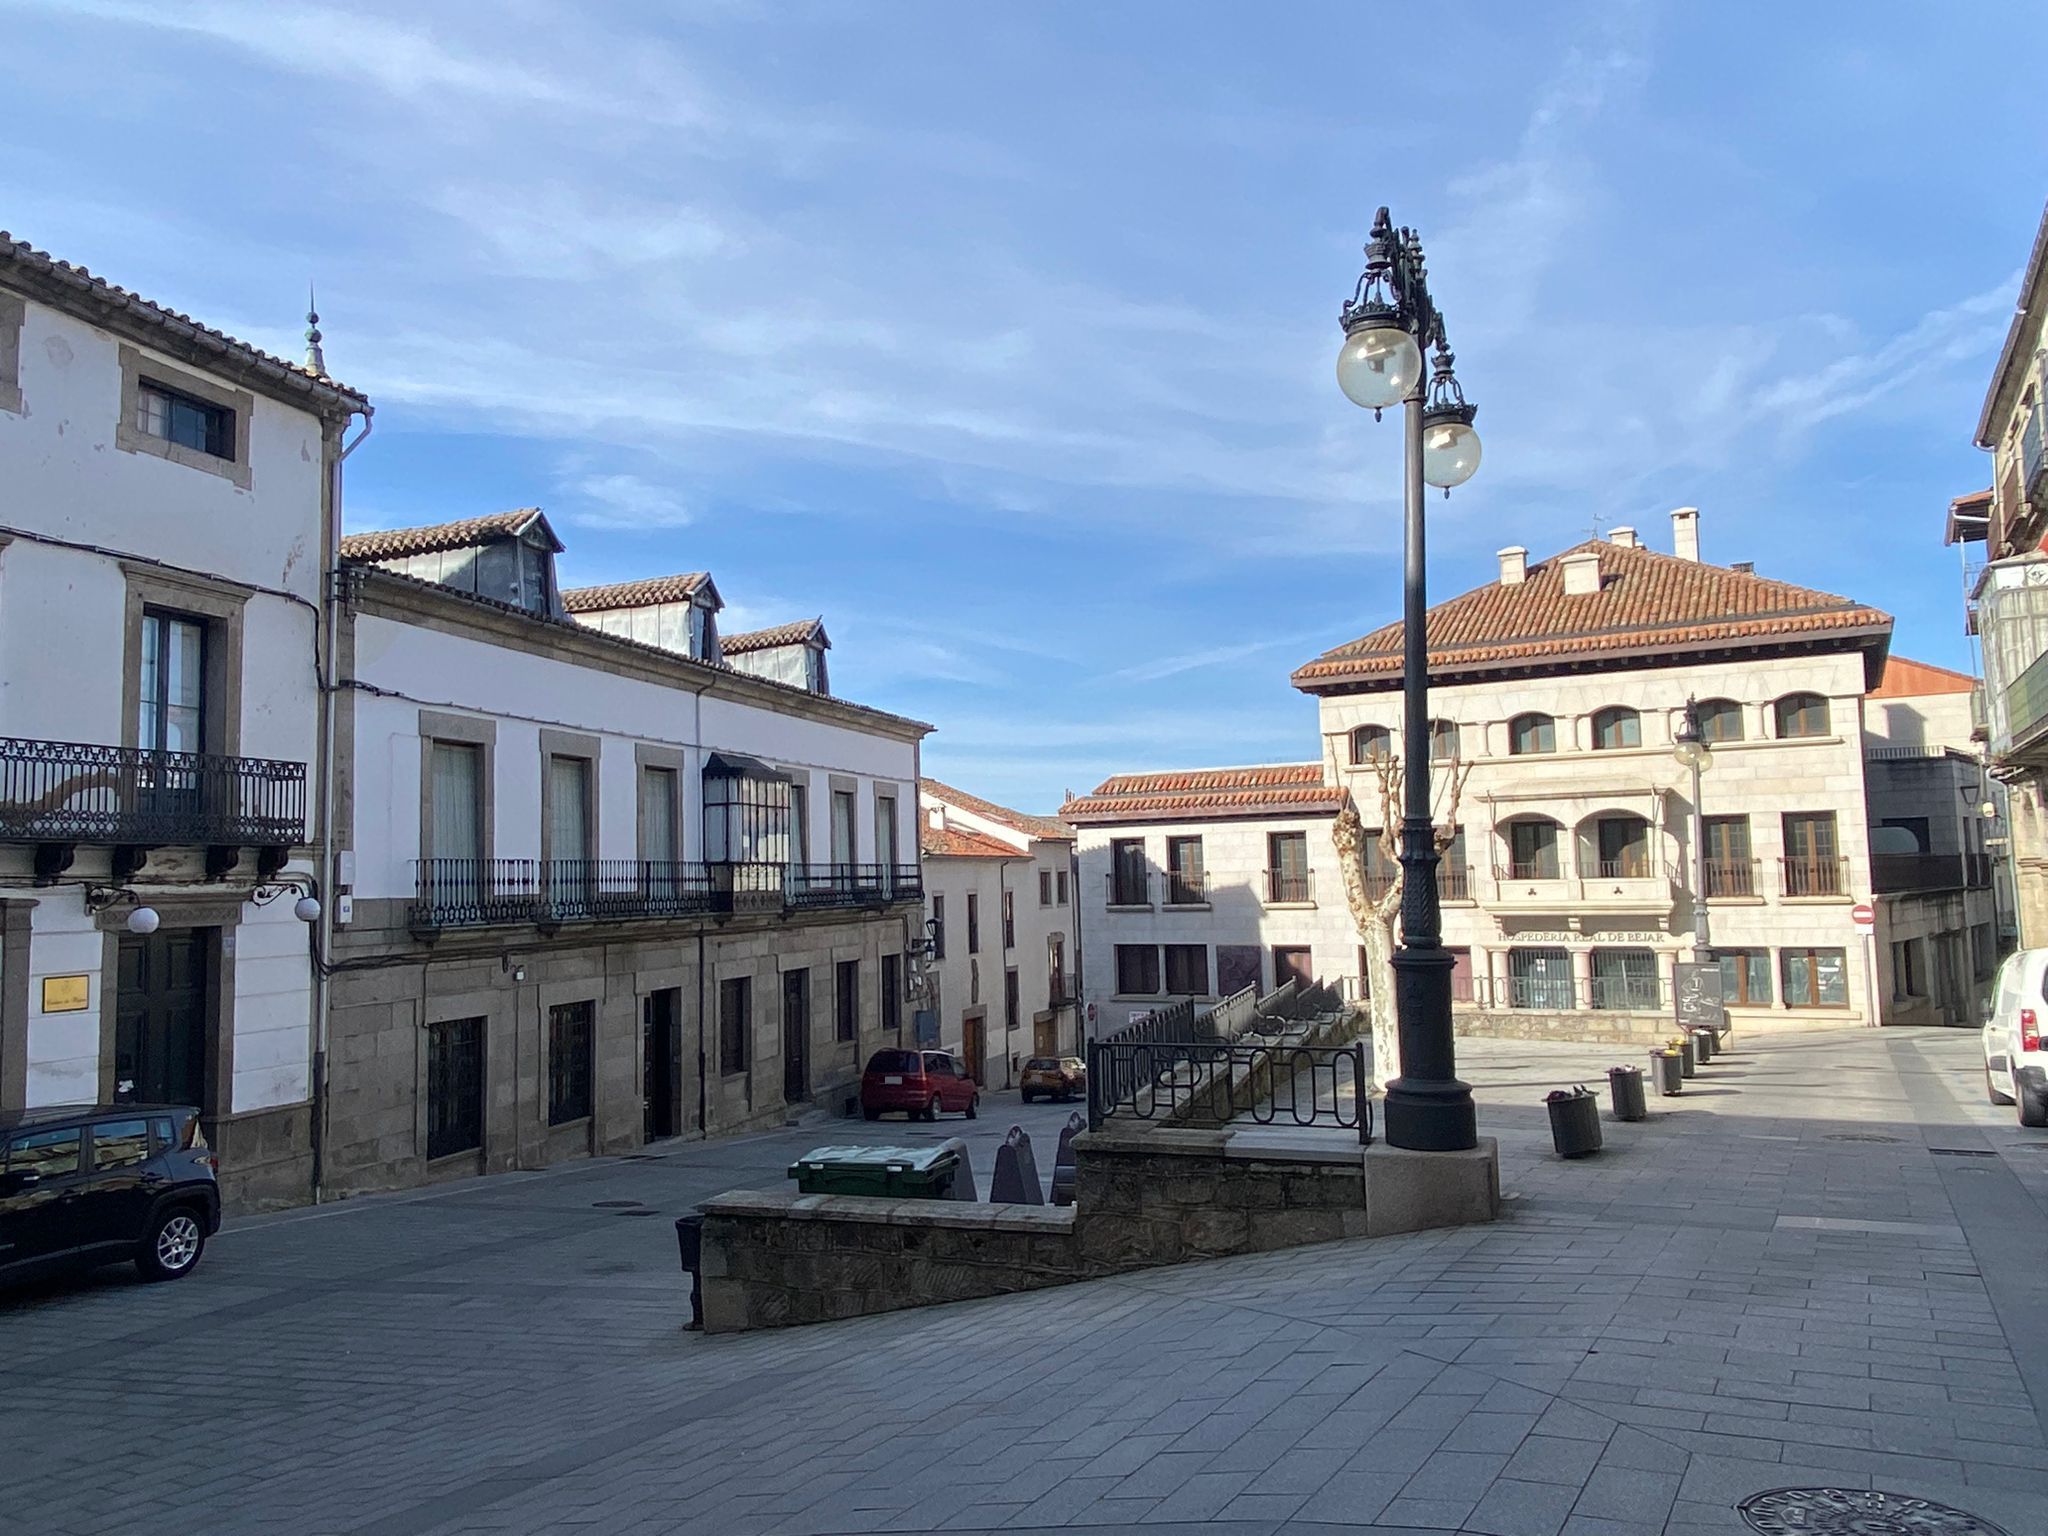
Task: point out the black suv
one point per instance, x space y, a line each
89 1184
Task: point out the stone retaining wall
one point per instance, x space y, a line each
1144 1197
1590 1026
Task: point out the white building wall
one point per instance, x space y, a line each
1041 880
1235 858
526 694
62 643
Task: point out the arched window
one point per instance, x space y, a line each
1370 744
1720 720
1443 741
1615 845
1532 733
1617 726
1802 714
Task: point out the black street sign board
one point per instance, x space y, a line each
1697 996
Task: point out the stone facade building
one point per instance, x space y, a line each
171 511
1569 891
597 886
1000 901
2004 531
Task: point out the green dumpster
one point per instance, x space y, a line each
892 1173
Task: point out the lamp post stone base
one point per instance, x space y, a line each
1409 1191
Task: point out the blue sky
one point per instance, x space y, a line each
1003 337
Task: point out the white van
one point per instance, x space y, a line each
2016 1036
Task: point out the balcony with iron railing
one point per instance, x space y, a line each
1291 887
1063 990
1730 879
471 893
1129 888
60 793
1806 875
1186 888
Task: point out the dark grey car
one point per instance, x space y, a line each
83 1185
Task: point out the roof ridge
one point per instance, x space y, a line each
1644 595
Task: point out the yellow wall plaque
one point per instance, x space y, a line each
66 994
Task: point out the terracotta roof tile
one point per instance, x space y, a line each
961 843
100 294
1293 789
1647 601
635 594
1907 679
1050 828
799 633
397 543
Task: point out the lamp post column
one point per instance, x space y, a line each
1700 948
1427 1108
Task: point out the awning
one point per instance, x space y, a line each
730 765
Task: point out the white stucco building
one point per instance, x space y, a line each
170 511
601 886
999 894
1570 887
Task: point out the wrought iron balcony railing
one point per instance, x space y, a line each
1130 888
1812 875
1186 887
1063 991
471 893
79 792
1730 878
1454 882
1296 885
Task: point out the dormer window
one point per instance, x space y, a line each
703 632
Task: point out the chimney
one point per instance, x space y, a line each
1514 566
1747 567
1582 572
1624 537
1685 533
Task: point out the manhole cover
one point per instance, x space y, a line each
613 1205
1860 1136
1853 1512
1961 1152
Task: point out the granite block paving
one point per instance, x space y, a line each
1731 1297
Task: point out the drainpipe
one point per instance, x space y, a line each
329 693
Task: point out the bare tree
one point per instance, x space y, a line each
1375 915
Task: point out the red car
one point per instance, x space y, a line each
918 1084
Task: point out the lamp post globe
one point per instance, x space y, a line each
143 921
1450 451
1378 366
1692 752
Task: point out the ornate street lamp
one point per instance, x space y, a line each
1388 322
1690 748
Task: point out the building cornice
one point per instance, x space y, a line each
2004 375
1872 641
408 600
74 291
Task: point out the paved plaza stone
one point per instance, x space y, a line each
1825 1265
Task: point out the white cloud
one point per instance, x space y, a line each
623 501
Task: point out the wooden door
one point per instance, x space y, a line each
160 1031
796 1035
974 1029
